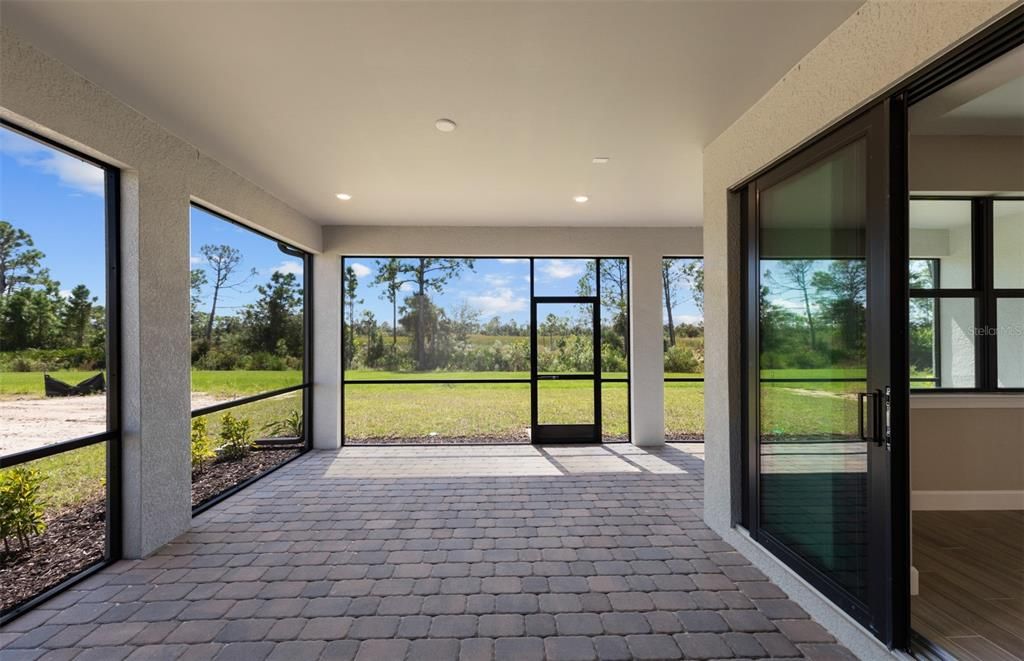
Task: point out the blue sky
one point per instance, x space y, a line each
58 200
496 287
258 252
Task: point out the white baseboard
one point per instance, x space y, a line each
967 500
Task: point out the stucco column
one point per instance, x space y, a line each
648 396
155 375
327 351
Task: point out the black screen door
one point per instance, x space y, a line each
820 366
565 370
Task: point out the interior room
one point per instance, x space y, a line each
967 362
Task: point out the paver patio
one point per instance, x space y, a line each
381 553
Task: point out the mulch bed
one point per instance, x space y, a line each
222 475
680 438
75 538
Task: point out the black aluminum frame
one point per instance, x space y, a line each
998 39
565 433
307 365
982 291
600 378
876 126
112 437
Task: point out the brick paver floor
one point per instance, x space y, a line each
388 553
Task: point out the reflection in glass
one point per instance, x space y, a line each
940 244
1010 342
813 360
942 343
1008 238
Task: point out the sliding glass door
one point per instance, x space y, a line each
819 366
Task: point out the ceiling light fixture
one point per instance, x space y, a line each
344 197
600 160
580 199
445 125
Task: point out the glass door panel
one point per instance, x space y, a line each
822 367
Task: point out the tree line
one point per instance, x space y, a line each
41 327
266 334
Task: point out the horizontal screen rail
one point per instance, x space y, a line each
223 406
56 448
815 380
684 379
381 382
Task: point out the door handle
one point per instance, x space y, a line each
881 416
861 396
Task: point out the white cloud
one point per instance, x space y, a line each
361 270
195 260
65 293
688 319
286 266
503 301
561 269
407 286
71 172
497 280
512 261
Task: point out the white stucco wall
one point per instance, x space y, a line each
160 175
645 248
882 43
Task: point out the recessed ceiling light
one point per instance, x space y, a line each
580 199
344 197
600 160
445 125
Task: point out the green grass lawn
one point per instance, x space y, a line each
31 383
71 477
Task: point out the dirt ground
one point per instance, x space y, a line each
27 423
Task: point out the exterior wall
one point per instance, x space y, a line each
881 44
160 175
644 246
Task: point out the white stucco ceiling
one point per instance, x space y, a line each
311 99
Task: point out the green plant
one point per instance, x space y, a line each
21 513
288 427
201 445
236 436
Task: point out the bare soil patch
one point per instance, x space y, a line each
75 538
31 422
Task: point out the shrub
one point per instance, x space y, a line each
21 513
236 436
201 445
289 427
681 359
